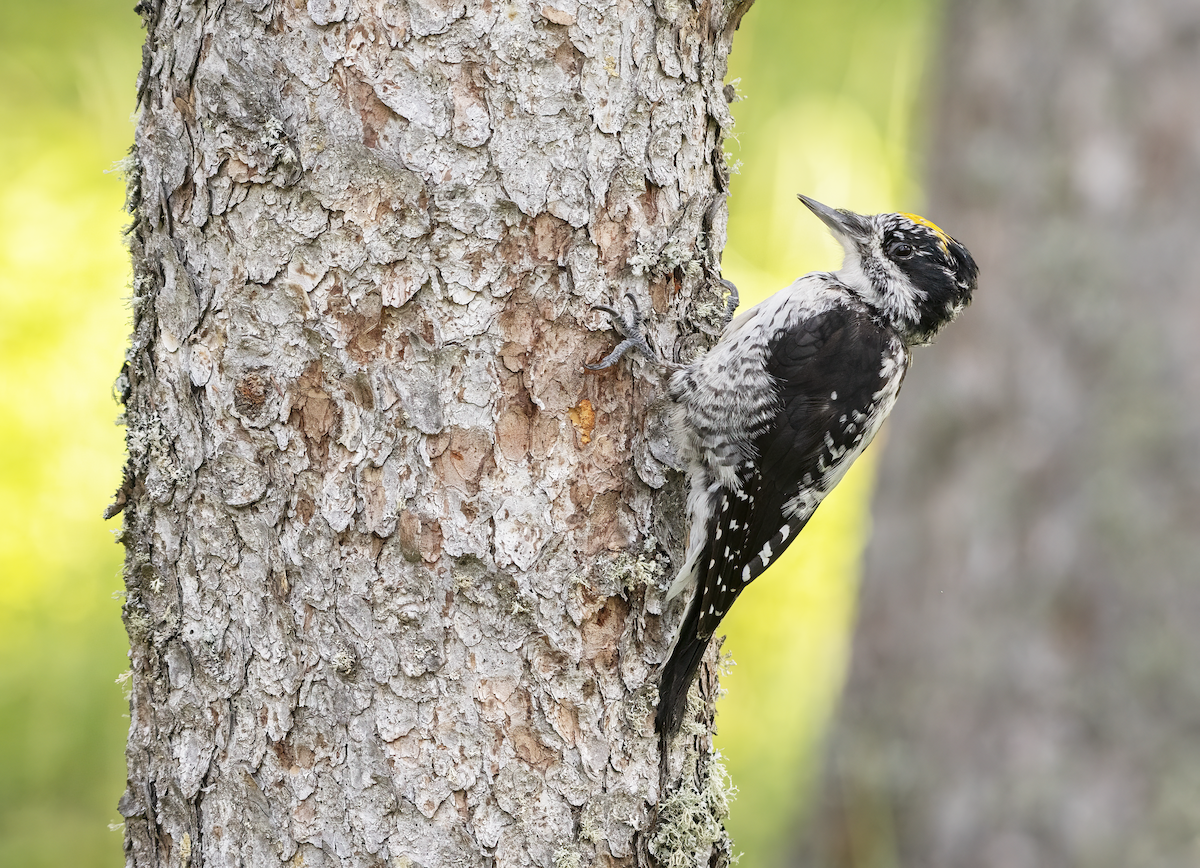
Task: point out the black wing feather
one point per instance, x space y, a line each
828 377
841 346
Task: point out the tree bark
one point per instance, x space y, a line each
1024 689
394 562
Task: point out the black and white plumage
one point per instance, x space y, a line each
771 418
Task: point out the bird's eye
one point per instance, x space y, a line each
901 250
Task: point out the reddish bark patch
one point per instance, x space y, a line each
568 58
543 436
306 507
408 531
604 522
514 356
516 324
614 238
662 290
649 202
528 747
372 111
431 541
512 435
314 412
465 460
602 633
551 238
250 395
419 540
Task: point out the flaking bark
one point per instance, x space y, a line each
394 562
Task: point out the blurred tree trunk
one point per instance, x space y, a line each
1024 690
379 600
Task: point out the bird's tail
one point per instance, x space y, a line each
680 671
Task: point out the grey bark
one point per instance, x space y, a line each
393 560
1024 690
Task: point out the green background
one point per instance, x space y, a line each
832 97
67 71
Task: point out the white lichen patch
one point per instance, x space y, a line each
691 820
630 571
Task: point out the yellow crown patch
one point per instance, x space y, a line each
942 235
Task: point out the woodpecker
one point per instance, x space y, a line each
769 420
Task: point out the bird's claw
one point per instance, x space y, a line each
629 327
615 356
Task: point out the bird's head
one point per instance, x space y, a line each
903 266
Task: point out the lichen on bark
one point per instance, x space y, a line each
375 508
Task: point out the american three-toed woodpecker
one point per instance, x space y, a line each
769 420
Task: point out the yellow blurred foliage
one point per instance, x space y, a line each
66 92
62 274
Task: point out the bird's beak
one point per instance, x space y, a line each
846 225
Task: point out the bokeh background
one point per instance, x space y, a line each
836 120
1024 688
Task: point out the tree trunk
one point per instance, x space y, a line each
393 559
1024 689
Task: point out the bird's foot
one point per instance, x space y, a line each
629 327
